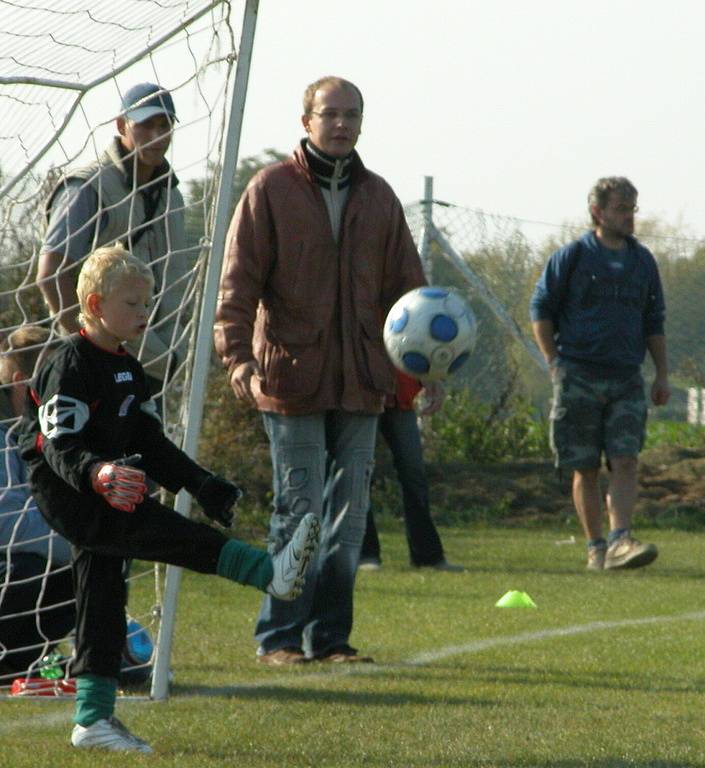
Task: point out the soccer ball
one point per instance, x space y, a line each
429 333
135 665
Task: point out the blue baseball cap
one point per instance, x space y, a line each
145 100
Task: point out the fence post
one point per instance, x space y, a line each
425 239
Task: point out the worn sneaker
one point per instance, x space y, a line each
442 565
108 734
343 654
596 557
627 552
369 564
290 564
281 657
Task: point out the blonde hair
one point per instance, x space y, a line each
21 350
103 270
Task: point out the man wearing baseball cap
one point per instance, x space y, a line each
128 194
147 100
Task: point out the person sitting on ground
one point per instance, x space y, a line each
91 436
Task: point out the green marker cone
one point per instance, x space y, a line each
515 599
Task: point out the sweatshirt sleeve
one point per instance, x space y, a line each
655 308
552 286
162 460
64 410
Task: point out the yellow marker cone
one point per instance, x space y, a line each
515 599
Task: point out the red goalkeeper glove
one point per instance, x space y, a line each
121 485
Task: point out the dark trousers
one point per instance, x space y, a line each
401 433
36 611
102 539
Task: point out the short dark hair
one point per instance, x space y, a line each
341 82
602 189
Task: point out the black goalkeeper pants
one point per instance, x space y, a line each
102 539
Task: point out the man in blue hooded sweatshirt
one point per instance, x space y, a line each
596 309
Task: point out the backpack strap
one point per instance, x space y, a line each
574 253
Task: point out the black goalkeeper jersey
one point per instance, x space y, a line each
90 405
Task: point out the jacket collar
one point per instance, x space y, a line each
326 169
358 172
590 241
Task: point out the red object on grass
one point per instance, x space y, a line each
39 686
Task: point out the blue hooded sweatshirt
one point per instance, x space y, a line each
602 315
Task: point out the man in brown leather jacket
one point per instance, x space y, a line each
317 252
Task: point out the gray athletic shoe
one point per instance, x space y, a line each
108 734
290 564
627 552
596 557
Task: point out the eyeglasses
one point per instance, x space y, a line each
331 115
625 208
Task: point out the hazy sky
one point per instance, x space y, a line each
514 106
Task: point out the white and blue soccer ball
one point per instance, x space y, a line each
136 663
429 333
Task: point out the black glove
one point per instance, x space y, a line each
217 496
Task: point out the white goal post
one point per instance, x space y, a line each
64 66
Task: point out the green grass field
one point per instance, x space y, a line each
608 671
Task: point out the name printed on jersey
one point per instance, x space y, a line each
123 376
62 415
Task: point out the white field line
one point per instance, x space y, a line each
545 634
28 724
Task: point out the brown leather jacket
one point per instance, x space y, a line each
310 311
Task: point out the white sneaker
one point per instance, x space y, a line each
108 734
290 564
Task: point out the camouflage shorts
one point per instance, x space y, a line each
590 417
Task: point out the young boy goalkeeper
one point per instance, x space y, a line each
91 436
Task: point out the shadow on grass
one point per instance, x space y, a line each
528 676
301 695
604 762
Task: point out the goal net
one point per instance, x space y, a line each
64 67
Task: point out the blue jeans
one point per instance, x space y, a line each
321 463
400 430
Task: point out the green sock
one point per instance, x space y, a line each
245 564
95 699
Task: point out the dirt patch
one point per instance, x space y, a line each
670 479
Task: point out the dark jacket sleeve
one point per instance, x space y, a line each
404 271
249 253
